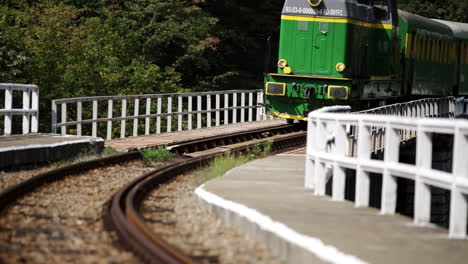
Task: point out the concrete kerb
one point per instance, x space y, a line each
284 242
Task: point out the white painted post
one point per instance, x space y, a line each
226 105
250 109
79 118
95 116
259 110
179 116
123 123
64 118
208 108
311 147
319 175
148 119
199 115
218 105
35 107
234 111
458 200
389 182
189 123
169 111
339 176
26 116
422 203
8 106
243 109
363 155
54 117
136 112
110 114
158 119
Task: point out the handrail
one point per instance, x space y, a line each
328 148
160 112
30 110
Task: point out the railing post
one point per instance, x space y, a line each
339 176
169 117
8 107
226 105
95 116
218 106
79 117
389 182
259 109
234 110
148 119
123 124
319 175
136 112
422 203
243 109
26 106
310 148
363 155
190 108
199 115
250 107
64 118
35 108
158 119
458 200
54 117
110 114
180 116
208 108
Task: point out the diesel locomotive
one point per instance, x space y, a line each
362 53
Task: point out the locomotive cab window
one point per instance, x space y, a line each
381 9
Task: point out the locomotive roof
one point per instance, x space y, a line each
460 30
425 23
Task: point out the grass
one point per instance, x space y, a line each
223 164
156 157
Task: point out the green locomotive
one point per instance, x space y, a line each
363 53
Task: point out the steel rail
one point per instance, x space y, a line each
124 210
13 193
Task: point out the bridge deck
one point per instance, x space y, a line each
315 225
32 149
131 143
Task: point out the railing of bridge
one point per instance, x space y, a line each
108 115
328 149
13 93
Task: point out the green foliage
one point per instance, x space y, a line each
453 10
156 157
220 166
223 164
108 151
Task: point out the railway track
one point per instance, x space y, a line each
124 213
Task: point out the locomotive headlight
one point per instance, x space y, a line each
282 63
340 67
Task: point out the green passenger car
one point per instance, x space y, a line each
362 53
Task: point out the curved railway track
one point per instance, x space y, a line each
124 214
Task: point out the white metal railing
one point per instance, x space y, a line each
168 112
430 107
320 155
29 110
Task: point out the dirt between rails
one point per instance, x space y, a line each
63 223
